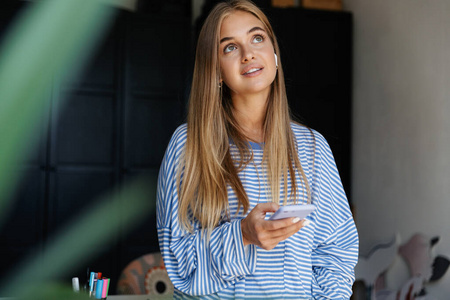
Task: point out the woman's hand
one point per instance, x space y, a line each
267 234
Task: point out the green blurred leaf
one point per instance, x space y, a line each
53 291
51 38
85 237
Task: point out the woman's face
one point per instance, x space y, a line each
246 55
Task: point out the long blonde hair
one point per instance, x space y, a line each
207 165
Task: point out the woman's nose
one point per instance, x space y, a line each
247 54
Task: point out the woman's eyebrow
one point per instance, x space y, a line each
256 28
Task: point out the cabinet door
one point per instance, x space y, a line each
157 56
23 221
114 124
84 144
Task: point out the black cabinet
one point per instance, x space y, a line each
114 124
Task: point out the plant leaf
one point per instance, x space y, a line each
50 38
85 237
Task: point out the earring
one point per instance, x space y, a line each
220 84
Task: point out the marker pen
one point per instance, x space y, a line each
99 289
105 288
76 284
93 288
91 281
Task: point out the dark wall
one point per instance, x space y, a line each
316 52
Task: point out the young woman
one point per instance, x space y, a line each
238 158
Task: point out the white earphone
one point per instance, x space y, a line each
276 59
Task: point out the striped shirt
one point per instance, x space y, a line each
317 262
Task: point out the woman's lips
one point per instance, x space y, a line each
252 70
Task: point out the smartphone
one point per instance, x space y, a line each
300 211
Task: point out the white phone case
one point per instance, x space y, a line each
300 211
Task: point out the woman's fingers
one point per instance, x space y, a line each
267 234
280 223
253 224
282 233
285 232
262 208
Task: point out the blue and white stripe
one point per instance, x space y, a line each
316 262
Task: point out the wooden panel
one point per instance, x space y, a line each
85 131
11 257
142 239
323 4
73 191
22 233
102 69
150 123
158 49
24 224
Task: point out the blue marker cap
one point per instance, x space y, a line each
99 289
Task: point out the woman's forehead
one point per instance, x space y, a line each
239 23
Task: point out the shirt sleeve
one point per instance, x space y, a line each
335 250
195 264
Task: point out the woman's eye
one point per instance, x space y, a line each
229 48
258 39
